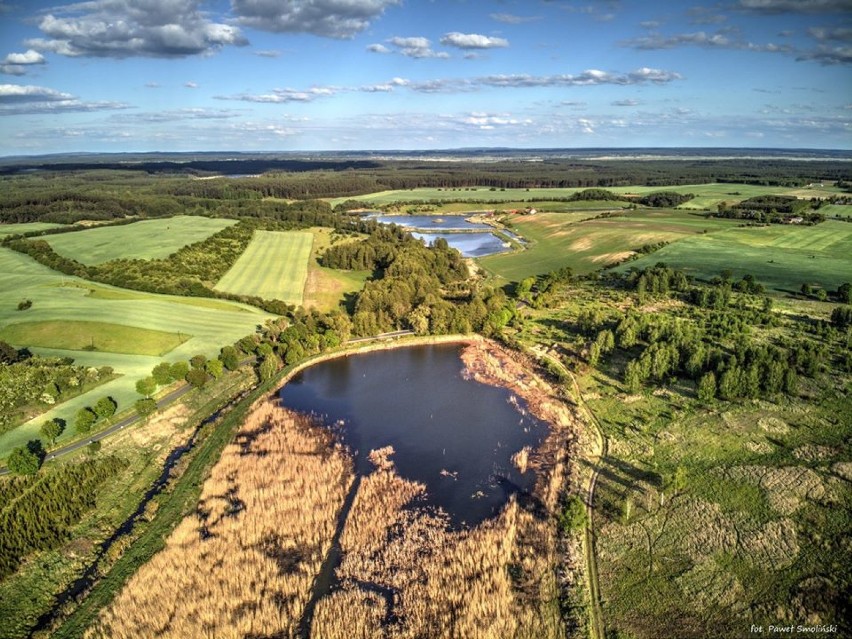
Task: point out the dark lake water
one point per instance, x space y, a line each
468 244
456 436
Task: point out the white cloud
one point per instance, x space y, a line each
29 57
472 41
378 48
190 85
330 18
283 96
128 28
796 6
416 47
626 103
17 99
268 53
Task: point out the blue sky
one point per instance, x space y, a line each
183 75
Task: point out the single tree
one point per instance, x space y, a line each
198 361
162 374
179 370
230 358
84 420
197 377
214 368
707 388
105 407
146 386
26 460
51 429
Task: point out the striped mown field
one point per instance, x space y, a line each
145 240
274 266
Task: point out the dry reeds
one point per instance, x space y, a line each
244 563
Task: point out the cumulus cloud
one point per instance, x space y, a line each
20 63
378 48
472 41
823 34
416 47
17 99
827 56
341 19
127 28
190 85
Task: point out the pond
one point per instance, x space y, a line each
455 435
468 244
429 222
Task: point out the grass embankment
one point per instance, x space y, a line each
586 245
231 569
782 257
145 240
200 326
274 266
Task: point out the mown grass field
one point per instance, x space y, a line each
564 239
203 326
95 336
26 227
145 240
274 266
708 196
780 257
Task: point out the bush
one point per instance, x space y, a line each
145 407
573 517
51 429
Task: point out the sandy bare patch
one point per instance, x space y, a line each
582 244
843 469
607 258
813 452
774 546
773 425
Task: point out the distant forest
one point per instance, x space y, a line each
69 191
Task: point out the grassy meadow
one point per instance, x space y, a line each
145 240
571 239
26 227
708 196
192 325
274 266
781 257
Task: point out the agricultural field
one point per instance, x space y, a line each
188 325
585 245
26 227
274 266
708 196
781 257
144 240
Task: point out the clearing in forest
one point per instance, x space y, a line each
274 266
145 240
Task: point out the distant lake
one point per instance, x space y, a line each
428 222
468 244
454 435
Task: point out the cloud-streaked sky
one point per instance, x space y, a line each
182 75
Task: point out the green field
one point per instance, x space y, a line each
95 336
145 240
562 239
26 227
203 326
326 288
707 195
780 257
274 266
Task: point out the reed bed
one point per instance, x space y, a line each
244 563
